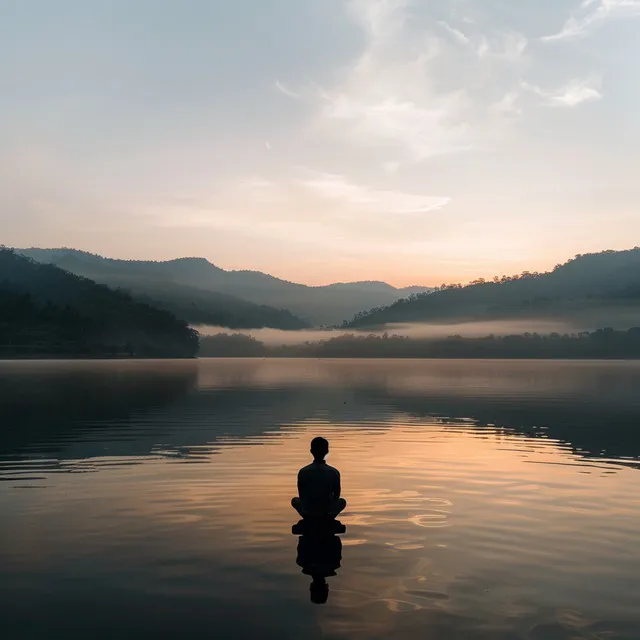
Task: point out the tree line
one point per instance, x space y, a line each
601 344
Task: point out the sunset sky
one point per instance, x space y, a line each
412 141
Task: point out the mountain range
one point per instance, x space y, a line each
587 292
199 292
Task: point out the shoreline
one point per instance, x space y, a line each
90 357
400 357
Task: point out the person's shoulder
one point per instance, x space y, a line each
333 470
308 467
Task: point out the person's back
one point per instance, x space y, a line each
319 485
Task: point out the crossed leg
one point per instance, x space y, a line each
336 507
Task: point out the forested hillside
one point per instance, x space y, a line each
602 289
47 311
176 286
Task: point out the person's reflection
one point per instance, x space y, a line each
319 554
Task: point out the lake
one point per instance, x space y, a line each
486 499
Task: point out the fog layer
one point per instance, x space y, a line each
415 330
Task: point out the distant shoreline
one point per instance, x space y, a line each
603 344
60 356
399 357
303 357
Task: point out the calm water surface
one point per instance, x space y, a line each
492 500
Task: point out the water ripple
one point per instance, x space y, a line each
485 500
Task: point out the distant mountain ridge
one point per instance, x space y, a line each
162 285
280 303
601 289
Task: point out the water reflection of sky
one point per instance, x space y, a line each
167 510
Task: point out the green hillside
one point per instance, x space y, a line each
176 286
600 289
47 311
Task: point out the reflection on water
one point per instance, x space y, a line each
319 554
486 499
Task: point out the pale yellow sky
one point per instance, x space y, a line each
324 140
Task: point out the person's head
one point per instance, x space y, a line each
319 448
319 590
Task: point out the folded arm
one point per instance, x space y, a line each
336 485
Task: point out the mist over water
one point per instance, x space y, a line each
275 337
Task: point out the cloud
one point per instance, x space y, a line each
290 93
321 208
591 14
575 94
509 45
421 130
456 34
429 83
379 18
423 86
368 200
572 95
419 86
510 103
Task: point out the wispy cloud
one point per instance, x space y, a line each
591 14
509 45
380 18
510 104
456 34
573 94
424 87
428 84
417 85
369 200
315 205
290 93
423 131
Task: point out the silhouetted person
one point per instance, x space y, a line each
319 486
319 555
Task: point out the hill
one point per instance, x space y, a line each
158 281
172 286
47 311
591 290
198 306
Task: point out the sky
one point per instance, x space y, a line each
411 141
